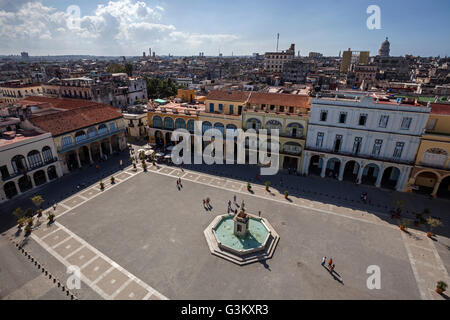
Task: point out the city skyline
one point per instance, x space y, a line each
129 27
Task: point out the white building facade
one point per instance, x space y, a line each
364 140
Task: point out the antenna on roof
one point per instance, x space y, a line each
278 38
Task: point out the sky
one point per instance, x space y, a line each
187 27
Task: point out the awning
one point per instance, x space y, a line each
167 156
159 154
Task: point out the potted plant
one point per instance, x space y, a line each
21 222
113 180
404 225
51 217
267 183
134 165
102 185
28 229
286 194
38 201
30 222
249 186
433 223
441 286
18 213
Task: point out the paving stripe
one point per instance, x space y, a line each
113 265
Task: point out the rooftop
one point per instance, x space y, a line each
280 99
225 95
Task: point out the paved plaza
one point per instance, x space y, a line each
142 238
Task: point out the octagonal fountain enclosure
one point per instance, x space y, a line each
242 238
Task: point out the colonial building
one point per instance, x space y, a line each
82 131
163 119
13 91
431 172
28 158
363 139
288 113
136 120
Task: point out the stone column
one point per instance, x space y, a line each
110 147
379 177
46 174
32 181
324 167
306 161
360 172
341 171
90 154
78 157
435 189
101 151
17 188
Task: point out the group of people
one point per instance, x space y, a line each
330 264
231 210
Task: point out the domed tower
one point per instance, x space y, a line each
384 49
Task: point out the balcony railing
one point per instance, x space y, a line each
359 155
26 170
100 135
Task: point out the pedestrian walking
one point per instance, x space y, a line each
259 213
323 260
121 163
204 203
54 206
332 268
242 205
234 198
180 182
330 262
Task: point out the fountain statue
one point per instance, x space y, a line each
241 224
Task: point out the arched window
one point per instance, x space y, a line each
66 141
293 148
190 125
80 136
253 124
168 123
34 159
10 189
273 124
206 126
92 132
47 154
294 129
180 123
112 127
102 129
51 172
157 122
219 126
19 164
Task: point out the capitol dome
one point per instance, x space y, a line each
385 48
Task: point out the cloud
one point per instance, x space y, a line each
120 27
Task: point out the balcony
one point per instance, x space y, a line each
359 155
101 134
27 170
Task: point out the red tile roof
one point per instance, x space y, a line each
280 99
228 95
440 108
78 114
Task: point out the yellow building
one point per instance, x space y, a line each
13 91
286 112
431 173
350 57
186 95
162 120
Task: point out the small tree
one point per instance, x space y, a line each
113 180
433 223
144 165
102 185
18 213
51 217
267 183
249 186
286 194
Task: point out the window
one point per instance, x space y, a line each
398 149
66 141
231 109
319 140
342 117
377 147
211 107
406 123
357 145
34 159
383 121
112 126
47 154
323 115
220 107
4 172
362 119
337 142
